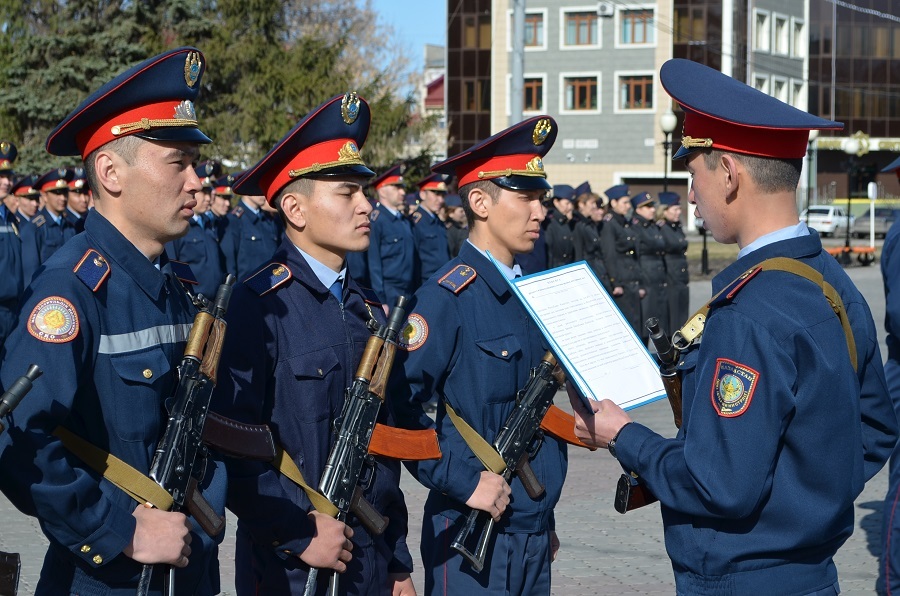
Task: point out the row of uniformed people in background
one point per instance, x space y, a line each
107 317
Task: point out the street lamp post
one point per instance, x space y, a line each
810 147
667 122
850 148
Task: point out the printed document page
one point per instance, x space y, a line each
592 340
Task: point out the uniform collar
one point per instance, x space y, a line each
794 231
117 248
393 212
492 276
325 274
250 208
52 218
288 254
799 247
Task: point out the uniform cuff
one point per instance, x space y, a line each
629 443
109 540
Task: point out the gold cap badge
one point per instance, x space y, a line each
192 68
541 130
350 107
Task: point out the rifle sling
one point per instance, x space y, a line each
136 485
289 469
483 450
694 327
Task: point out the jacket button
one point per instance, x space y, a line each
148 373
98 559
504 353
319 370
86 548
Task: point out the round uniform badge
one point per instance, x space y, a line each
414 334
53 320
733 387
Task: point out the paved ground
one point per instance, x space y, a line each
603 552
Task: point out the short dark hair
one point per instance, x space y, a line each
303 186
488 186
126 148
768 173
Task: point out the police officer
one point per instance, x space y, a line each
199 248
471 343
12 280
428 229
587 236
676 258
79 200
49 229
561 227
296 337
651 253
619 239
457 227
786 413
107 321
220 204
392 260
250 237
29 199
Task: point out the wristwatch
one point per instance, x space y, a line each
612 442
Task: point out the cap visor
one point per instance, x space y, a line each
522 182
176 135
348 170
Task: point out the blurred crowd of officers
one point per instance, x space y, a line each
634 244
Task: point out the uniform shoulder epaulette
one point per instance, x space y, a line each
237 211
374 215
731 290
92 269
607 217
458 278
183 272
370 296
38 220
416 217
268 278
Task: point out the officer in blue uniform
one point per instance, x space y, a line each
49 229
651 249
561 227
107 321
12 280
676 245
786 413
250 236
619 241
471 344
295 340
392 259
889 570
28 199
199 248
457 226
428 229
78 201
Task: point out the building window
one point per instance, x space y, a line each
780 89
761 83
798 39
534 30
580 93
782 36
477 32
476 96
690 24
581 29
798 95
762 35
637 27
636 92
534 95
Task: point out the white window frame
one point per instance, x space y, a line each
617 104
562 92
781 45
799 100
562 28
764 78
528 11
803 42
784 82
528 75
765 35
617 43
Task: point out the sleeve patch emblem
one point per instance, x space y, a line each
733 387
54 320
414 334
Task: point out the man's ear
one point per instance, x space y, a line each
478 202
732 170
109 167
293 207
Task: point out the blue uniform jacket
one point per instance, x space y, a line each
107 384
11 282
76 220
288 358
477 348
248 240
431 243
200 249
391 256
41 239
760 501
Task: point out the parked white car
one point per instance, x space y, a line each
827 220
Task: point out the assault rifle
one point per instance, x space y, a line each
20 387
181 454
518 440
349 456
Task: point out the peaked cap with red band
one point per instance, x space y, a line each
54 180
8 154
78 183
325 143
223 186
25 187
207 172
153 100
723 113
435 182
511 158
393 175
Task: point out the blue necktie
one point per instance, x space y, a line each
337 289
